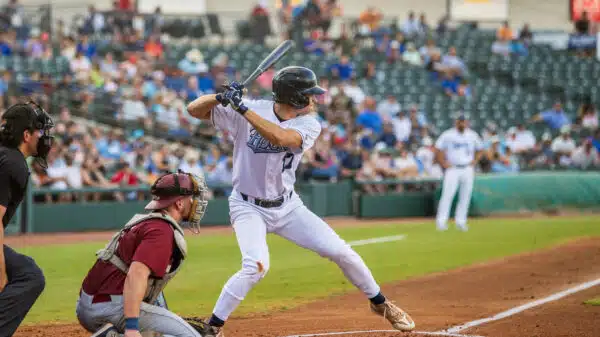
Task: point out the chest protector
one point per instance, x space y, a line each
155 285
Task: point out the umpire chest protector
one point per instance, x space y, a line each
155 285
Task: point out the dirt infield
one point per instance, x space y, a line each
442 300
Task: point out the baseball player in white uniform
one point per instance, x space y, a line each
270 138
458 151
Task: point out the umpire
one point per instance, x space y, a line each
24 132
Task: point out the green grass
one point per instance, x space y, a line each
299 276
595 301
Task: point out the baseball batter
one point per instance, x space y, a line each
269 140
458 151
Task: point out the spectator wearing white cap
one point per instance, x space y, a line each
193 63
426 156
411 55
563 146
586 156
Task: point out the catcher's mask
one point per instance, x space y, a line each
174 186
28 116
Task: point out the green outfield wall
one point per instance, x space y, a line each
497 194
492 194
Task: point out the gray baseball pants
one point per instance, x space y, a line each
92 316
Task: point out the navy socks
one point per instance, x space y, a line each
378 299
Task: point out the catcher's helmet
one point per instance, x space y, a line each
293 85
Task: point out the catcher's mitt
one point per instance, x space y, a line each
201 326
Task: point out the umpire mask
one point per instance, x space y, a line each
174 186
44 124
28 116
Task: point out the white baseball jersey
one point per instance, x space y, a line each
459 147
261 169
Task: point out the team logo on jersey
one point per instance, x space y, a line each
258 144
460 145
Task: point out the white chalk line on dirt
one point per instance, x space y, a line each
377 240
521 308
438 333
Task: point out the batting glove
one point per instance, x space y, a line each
233 86
235 99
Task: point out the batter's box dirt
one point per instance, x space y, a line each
439 301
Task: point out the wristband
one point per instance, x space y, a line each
242 109
132 323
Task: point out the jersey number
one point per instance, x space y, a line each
288 159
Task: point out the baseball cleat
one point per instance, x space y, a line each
399 319
107 330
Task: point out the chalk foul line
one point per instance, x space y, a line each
438 333
521 308
377 240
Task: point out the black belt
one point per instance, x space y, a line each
267 203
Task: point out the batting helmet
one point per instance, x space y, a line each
293 86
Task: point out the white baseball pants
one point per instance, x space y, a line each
296 223
454 178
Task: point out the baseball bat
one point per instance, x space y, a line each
270 60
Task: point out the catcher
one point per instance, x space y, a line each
122 292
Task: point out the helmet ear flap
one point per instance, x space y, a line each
300 101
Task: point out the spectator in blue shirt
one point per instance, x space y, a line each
555 118
206 83
450 85
5 45
86 48
342 70
369 118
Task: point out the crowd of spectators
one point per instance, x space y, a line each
362 139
